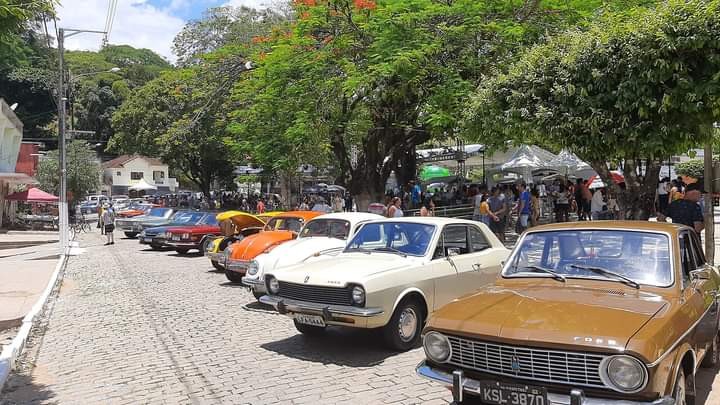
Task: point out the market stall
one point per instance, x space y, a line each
38 209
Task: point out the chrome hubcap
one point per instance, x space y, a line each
407 325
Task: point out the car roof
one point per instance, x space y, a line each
306 215
351 216
647 226
439 221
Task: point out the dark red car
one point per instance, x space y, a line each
186 238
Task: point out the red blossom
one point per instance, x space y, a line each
365 4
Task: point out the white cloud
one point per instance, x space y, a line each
258 4
137 24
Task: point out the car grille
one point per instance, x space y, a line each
317 294
534 364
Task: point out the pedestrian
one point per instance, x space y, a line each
663 199
486 215
337 203
685 211
415 192
260 207
523 208
562 204
428 207
394 210
477 200
348 203
597 205
535 207
108 219
100 210
499 210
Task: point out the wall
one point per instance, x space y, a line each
10 138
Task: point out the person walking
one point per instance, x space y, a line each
108 219
428 207
663 199
597 205
523 208
260 207
496 202
535 207
562 204
486 215
394 210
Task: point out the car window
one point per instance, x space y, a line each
403 237
686 258
643 257
452 237
333 228
284 224
187 217
478 242
697 250
210 220
157 212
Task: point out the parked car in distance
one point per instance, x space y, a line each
192 236
392 275
134 209
321 236
245 225
279 229
92 203
157 216
583 313
158 237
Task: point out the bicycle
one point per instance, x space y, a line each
80 225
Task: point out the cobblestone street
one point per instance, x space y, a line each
135 326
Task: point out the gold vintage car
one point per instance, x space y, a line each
589 313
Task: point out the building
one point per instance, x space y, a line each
125 171
11 132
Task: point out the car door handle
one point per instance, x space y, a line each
477 266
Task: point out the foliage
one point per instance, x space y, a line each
638 85
694 168
83 171
15 15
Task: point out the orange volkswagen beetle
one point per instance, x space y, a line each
279 229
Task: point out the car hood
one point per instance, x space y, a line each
195 229
342 269
553 315
253 245
156 230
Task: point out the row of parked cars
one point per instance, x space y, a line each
577 313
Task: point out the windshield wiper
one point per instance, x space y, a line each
359 249
391 249
554 274
600 270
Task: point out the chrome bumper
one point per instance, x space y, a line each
238 266
175 243
216 257
461 385
256 284
285 306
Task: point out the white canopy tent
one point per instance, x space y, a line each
142 185
525 160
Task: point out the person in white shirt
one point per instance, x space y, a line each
596 204
108 220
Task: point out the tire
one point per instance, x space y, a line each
309 329
182 251
233 277
131 234
712 357
155 247
217 265
679 393
402 333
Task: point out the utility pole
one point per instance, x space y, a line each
63 203
709 209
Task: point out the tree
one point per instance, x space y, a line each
83 171
15 15
369 81
633 89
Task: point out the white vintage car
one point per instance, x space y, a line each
392 275
322 236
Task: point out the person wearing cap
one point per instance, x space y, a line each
686 211
108 219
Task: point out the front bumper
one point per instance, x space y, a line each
183 244
152 240
332 314
129 227
238 266
461 385
217 257
255 284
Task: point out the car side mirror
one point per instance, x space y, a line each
453 252
699 275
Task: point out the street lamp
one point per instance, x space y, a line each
63 203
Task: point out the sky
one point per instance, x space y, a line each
148 24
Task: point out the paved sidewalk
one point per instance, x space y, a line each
27 260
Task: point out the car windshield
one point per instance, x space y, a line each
634 257
330 228
284 224
187 217
158 212
399 237
209 220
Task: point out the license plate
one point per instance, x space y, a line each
500 393
148 240
175 238
312 320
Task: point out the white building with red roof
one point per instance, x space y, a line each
126 171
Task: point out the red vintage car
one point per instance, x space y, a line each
186 238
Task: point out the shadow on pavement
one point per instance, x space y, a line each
339 346
230 284
704 385
20 389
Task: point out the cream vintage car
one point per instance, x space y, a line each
392 275
320 237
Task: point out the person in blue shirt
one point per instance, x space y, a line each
415 194
524 206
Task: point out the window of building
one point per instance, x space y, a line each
158 175
118 174
136 175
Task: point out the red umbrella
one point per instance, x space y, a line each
616 177
32 194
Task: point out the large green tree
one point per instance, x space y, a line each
632 90
369 80
83 171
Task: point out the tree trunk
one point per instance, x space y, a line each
637 199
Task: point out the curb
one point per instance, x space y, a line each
13 350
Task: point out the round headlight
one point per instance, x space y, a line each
437 347
273 285
358 295
253 268
623 373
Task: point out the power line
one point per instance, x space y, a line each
109 19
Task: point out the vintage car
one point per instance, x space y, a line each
583 313
189 237
245 224
392 275
279 229
152 218
158 237
134 210
321 236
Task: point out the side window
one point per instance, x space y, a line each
697 251
686 256
455 237
478 242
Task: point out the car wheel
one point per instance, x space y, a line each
233 277
712 357
308 329
680 391
182 251
217 265
403 331
131 234
155 247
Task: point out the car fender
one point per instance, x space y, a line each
407 291
680 353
